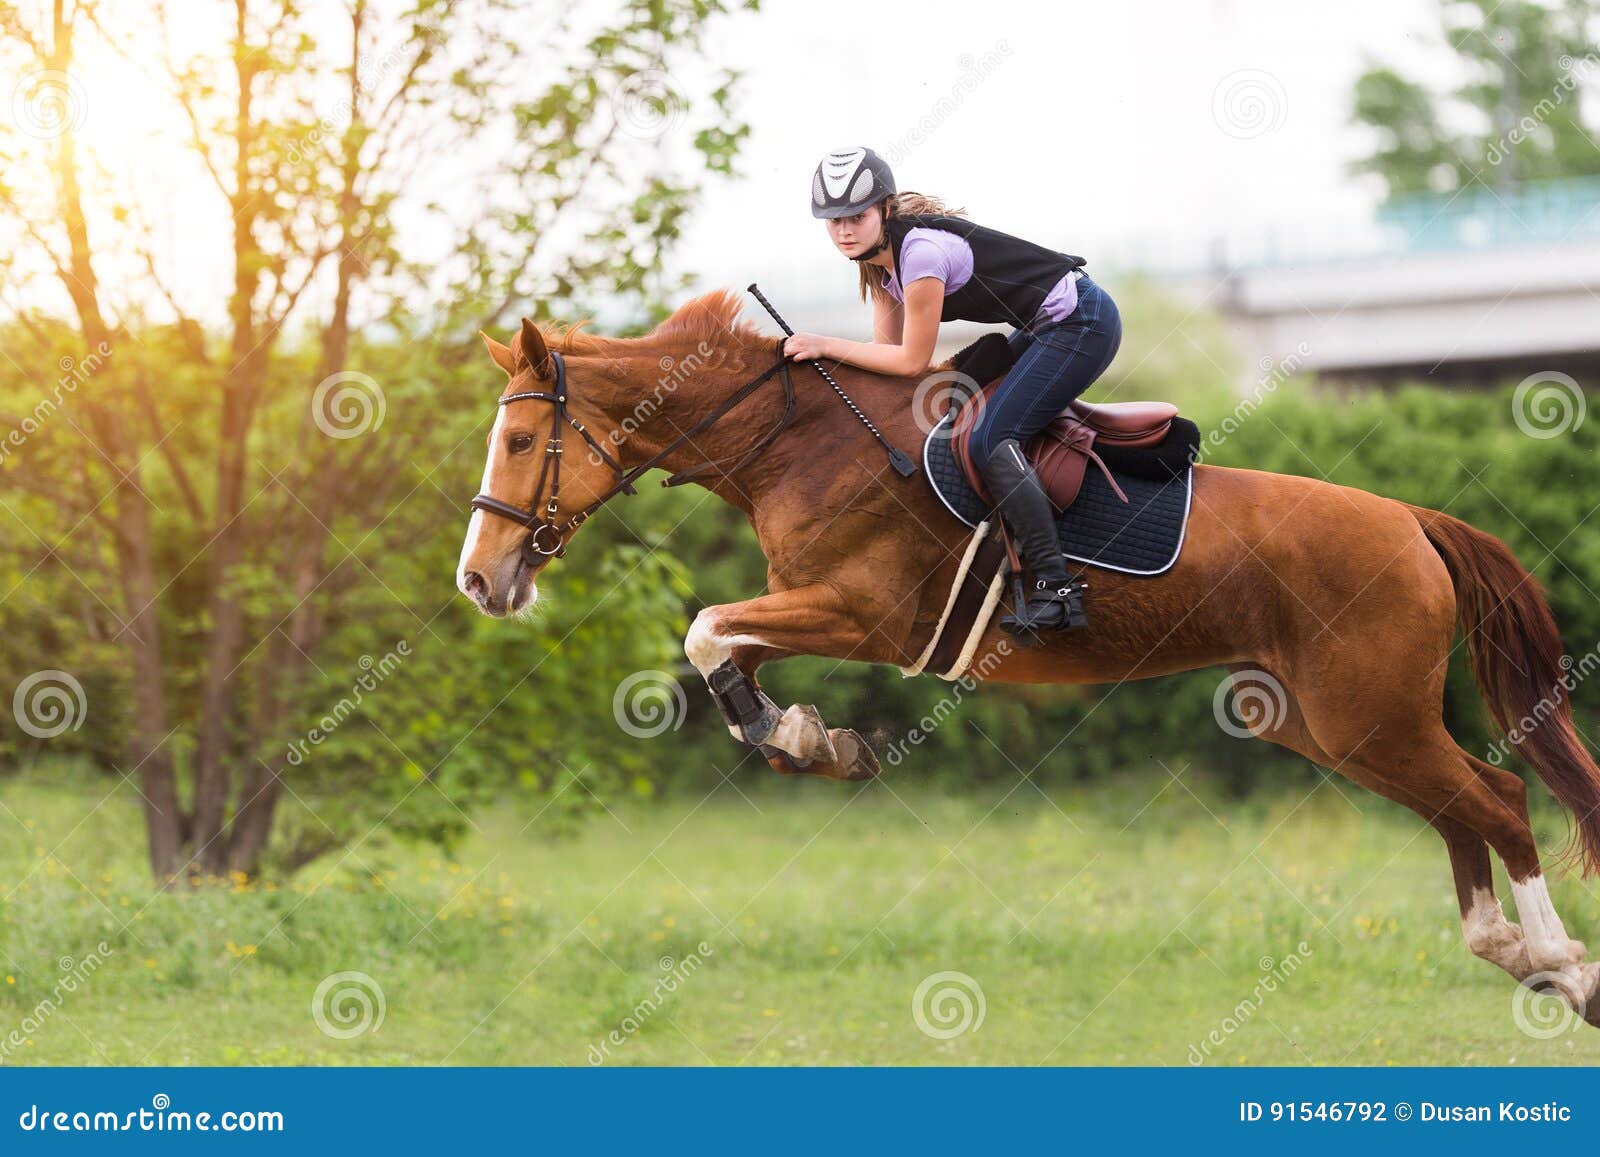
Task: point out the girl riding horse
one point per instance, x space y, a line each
923 263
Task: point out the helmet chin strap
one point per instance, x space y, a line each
874 251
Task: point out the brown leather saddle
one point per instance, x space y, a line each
1062 452
1147 443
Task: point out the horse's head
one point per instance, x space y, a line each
521 517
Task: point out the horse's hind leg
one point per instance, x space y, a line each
1396 744
1473 803
1488 933
1552 948
1366 658
1443 783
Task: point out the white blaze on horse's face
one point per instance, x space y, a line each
491 572
475 523
534 494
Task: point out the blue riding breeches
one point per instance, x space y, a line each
1055 363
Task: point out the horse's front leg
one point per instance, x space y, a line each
727 643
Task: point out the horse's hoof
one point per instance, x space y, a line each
1591 989
846 755
856 759
802 733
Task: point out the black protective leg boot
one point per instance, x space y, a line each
1054 602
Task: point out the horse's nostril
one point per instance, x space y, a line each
475 586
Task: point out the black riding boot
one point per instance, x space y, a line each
1054 602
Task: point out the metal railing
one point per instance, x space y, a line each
1551 212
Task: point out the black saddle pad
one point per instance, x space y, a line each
1141 536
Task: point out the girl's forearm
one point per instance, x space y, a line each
879 357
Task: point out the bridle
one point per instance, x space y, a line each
543 524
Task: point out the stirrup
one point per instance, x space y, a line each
1046 609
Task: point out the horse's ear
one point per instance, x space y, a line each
531 350
502 355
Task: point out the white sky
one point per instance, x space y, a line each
1097 128
1116 130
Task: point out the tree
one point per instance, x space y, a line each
574 162
1516 116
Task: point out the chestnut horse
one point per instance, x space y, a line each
1346 600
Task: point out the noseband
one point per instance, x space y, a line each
549 537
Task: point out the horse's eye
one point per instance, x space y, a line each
520 443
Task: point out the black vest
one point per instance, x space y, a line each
1010 276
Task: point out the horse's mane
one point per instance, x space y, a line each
712 318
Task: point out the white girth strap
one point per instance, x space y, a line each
980 624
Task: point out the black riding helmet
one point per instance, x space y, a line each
848 181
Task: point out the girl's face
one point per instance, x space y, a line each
852 235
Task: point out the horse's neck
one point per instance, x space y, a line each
650 415
795 489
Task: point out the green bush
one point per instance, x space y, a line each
481 706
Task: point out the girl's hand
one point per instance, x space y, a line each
805 346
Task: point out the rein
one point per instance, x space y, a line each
540 523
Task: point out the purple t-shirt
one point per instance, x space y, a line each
928 252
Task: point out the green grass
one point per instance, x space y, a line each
1101 927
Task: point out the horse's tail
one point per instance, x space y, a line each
1515 651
